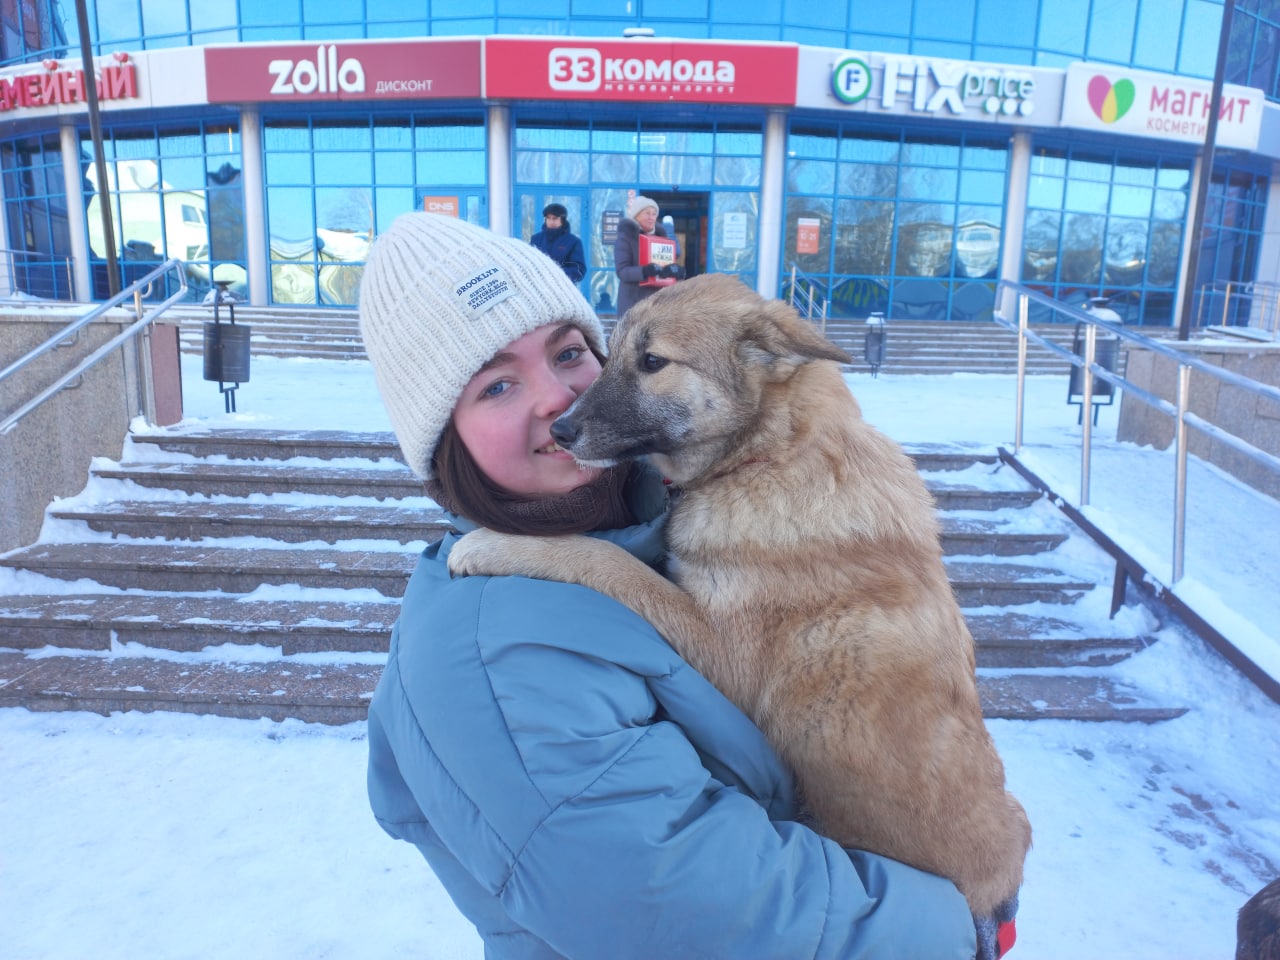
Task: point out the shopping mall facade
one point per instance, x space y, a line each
905 159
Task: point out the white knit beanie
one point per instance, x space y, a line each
640 203
439 297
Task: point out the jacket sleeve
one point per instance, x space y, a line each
575 263
625 255
576 815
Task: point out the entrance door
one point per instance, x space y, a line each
530 203
689 212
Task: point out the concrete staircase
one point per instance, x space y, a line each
256 574
911 346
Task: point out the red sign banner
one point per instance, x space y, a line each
365 70
571 68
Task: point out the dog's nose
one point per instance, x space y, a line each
563 431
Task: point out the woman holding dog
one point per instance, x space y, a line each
641 219
580 790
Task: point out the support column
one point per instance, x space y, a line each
77 221
499 152
770 230
257 261
1015 213
1184 256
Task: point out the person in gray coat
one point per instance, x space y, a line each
579 790
642 218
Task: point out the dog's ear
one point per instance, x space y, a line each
778 338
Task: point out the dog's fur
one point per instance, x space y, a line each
1258 925
811 585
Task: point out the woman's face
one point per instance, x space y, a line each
647 218
505 413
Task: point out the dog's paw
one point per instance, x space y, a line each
482 553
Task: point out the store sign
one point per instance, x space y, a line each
369 70
928 87
445 206
808 234
58 86
1159 105
641 70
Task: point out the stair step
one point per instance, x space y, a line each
952 496
288 523
982 584
967 536
1018 640
339 693
240 480
188 623
184 568
276 444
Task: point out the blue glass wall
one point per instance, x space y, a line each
332 183
898 223
1177 36
1100 223
35 210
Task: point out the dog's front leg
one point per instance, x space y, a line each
597 564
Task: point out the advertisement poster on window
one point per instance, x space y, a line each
807 234
735 231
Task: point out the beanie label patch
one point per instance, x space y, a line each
482 290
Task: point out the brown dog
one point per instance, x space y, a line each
811 588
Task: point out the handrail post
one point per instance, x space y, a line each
1086 410
793 284
1180 471
1226 303
1023 310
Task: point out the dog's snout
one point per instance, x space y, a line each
564 431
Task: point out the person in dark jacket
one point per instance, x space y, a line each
557 241
579 790
642 217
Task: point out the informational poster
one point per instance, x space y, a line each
807 234
609 227
735 231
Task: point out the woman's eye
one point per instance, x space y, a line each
651 363
569 354
494 389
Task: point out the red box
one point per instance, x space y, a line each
661 252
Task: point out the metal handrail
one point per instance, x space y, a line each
1268 293
1183 417
807 304
12 255
137 291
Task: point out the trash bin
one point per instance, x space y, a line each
226 352
1106 354
874 347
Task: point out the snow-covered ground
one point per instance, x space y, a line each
173 836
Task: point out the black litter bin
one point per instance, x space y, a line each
226 352
1106 354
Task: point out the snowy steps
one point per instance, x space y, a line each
911 346
198 563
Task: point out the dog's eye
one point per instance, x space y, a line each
652 363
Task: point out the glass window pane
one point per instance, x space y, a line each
864 236
621 141
739 143
393 167
928 183
289 213
613 168
342 168
870 149
1126 252
450 166
925 234
816 214
1040 245
287 136
687 170
737 171
868 180
1082 248
1111 29
808 143
1131 201
976 157
981 186
343 137
978 246
811 176
390 203
736 215
283 168
1045 192
1087 197
1170 205
187 173
548 138
449 137
392 134
1165 253
931 154
1062 27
